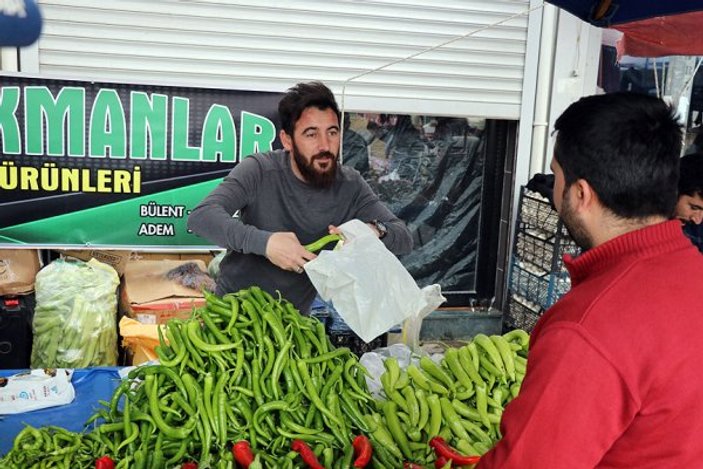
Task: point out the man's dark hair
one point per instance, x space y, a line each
302 96
627 147
691 179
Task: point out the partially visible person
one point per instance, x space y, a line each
355 149
288 198
689 208
613 378
697 145
403 143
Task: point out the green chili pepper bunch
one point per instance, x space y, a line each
461 400
51 447
246 367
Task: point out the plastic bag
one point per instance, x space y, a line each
373 363
35 389
74 319
369 287
213 268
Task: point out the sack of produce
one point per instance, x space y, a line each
74 318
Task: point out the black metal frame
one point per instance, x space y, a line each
499 156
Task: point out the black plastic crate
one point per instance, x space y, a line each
322 315
542 288
537 271
347 338
537 215
521 314
16 313
339 332
541 238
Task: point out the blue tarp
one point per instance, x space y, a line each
91 385
625 11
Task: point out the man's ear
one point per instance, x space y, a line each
286 140
583 197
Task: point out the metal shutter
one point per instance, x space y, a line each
270 45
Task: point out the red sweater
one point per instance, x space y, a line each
614 376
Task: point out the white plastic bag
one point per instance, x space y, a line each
373 362
369 287
36 389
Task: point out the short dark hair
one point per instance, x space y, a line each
302 96
691 175
627 147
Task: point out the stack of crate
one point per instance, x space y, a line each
538 277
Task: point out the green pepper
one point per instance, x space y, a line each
390 411
322 242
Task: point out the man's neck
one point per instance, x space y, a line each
294 167
613 226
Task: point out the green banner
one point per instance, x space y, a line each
118 165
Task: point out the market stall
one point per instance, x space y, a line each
247 380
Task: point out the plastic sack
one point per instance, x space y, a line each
373 363
74 318
213 268
369 287
35 389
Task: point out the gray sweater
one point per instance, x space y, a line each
270 198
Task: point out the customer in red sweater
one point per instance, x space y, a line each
614 376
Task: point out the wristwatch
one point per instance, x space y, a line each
381 227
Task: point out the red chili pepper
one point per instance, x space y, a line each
189 465
104 462
440 462
441 448
242 453
411 465
362 450
307 454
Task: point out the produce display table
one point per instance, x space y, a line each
91 385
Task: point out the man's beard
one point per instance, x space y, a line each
573 225
314 177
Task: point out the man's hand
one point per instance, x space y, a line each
335 230
285 251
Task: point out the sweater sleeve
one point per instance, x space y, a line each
213 219
572 406
398 240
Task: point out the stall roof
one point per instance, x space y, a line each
662 36
652 28
606 13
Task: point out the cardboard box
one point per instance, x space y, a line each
154 256
151 297
18 271
116 259
206 257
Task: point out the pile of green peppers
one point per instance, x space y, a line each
461 399
246 367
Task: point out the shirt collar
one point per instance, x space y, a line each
644 242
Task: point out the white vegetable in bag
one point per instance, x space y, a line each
369 287
74 319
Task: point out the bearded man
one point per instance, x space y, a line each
613 377
284 199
